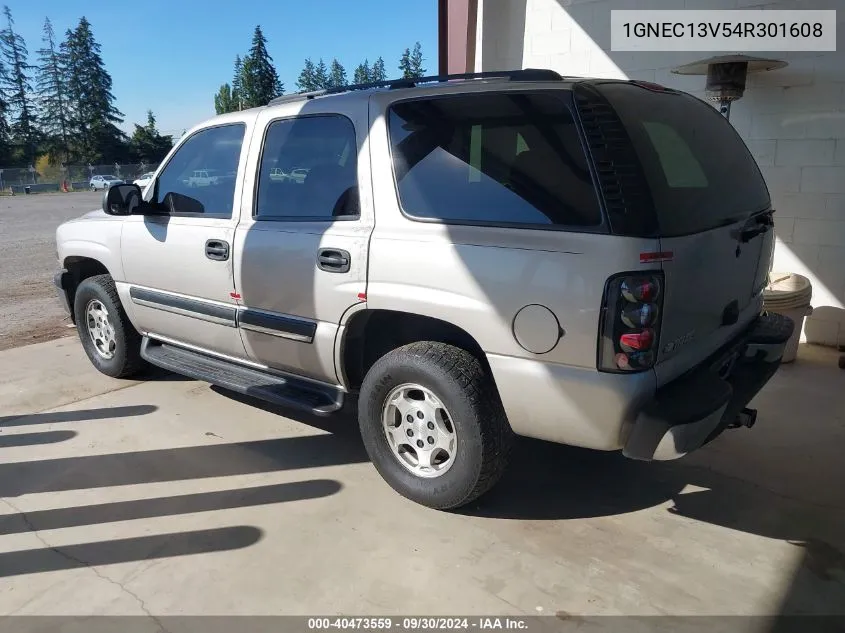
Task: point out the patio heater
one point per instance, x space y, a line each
726 76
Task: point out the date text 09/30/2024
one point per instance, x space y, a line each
416 623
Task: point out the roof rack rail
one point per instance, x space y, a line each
527 74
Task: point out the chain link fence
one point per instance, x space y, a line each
73 177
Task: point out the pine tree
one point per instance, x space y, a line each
224 100
415 61
146 144
362 73
321 76
91 101
52 96
405 64
237 85
5 141
306 81
337 75
378 72
17 86
260 80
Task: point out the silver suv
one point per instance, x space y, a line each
473 257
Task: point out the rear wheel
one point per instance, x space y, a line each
433 425
111 342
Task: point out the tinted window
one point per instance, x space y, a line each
308 170
700 172
217 151
499 159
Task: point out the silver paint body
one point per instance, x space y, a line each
477 278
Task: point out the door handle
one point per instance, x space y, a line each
333 260
217 250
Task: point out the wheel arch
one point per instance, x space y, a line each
80 268
370 334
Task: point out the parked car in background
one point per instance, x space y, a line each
203 178
103 182
298 175
278 174
144 179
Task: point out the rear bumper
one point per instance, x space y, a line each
62 281
693 409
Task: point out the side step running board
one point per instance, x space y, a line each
279 390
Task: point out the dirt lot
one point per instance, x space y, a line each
29 310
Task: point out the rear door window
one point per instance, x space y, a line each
500 159
700 172
320 154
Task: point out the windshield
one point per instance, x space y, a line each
700 173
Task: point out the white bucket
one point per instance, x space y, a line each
789 294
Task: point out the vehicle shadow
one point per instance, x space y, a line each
115 551
60 518
546 481
78 415
178 464
35 439
551 482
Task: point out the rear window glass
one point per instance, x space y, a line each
492 159
699 170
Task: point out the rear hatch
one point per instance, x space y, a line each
706 200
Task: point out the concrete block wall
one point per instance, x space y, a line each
793 119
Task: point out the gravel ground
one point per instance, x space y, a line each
29 309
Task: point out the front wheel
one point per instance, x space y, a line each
433 425
112 344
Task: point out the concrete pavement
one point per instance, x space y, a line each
171 497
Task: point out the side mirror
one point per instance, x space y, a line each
122 199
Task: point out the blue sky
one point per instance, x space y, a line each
172 56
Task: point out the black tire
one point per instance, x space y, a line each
460 381
126 360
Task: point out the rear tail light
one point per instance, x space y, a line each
637 341
630 322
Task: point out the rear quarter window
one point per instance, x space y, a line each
699 170
500 159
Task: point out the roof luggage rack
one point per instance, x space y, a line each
527 74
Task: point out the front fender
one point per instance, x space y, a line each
91 239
